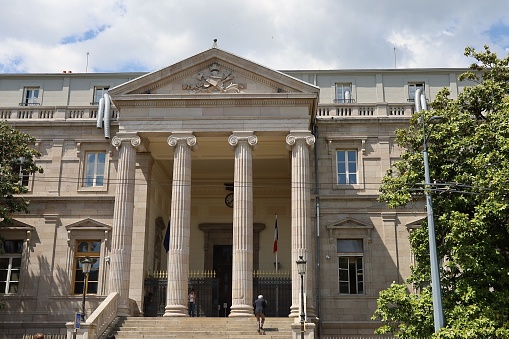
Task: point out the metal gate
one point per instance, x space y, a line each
276 287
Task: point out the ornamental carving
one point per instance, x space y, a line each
214 79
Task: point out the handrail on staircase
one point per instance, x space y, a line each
104 314
98 321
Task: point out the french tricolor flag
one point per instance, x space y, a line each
275 236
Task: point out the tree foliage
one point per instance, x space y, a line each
17 158
469 166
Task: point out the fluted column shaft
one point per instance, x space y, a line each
242 252
299 142
120 257
180 225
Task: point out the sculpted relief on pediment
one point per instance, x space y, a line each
214 79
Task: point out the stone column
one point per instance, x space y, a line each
120 264
299 142
242 253
180 225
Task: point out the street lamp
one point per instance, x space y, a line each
86 265
301 268
438 314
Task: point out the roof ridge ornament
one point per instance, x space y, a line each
214 45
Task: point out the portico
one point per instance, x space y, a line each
209 120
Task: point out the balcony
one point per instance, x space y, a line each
30 113
357 110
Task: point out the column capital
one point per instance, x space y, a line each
243 136
133 139
183 137
295 136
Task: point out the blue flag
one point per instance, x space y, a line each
166 241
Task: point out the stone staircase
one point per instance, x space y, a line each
200 328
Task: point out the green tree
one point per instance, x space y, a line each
17 158
469 166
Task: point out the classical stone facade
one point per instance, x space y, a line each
309 147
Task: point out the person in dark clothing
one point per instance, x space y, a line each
260 305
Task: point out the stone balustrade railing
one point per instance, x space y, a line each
331 111
52 113
97 322
325 111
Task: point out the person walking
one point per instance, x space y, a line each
260 305
192 300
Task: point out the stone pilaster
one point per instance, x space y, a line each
120 264
180 225
299 142
242 256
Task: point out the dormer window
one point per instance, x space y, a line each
99 93
30 96
412 88
343 93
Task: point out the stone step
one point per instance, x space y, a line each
196 328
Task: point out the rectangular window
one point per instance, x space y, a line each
347 167
343 93
99 93
351 268
412 87
30 96
94 169
90 249
10 266
23 176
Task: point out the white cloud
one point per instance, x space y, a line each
55 35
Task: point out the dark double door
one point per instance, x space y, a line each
222 265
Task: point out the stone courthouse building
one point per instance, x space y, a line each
220 150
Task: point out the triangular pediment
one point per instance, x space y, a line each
214 71
15 225
349 223
88 224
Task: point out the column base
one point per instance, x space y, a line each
123 311
294 312
175 311
241 311
307 332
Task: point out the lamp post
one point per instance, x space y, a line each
301 268
86 265
438 313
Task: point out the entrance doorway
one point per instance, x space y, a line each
222 265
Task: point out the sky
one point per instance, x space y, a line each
50 36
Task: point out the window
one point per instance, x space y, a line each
412 87
347 167
94 169
87 249
343 93
30 96
99 93
10 266
350 269
23 176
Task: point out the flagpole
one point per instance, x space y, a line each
276 239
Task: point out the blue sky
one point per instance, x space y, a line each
49 36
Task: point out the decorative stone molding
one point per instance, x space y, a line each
186 137
294 136
87 224
18 226
349 224
414 224
331 139
216 78
135 141
237 137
